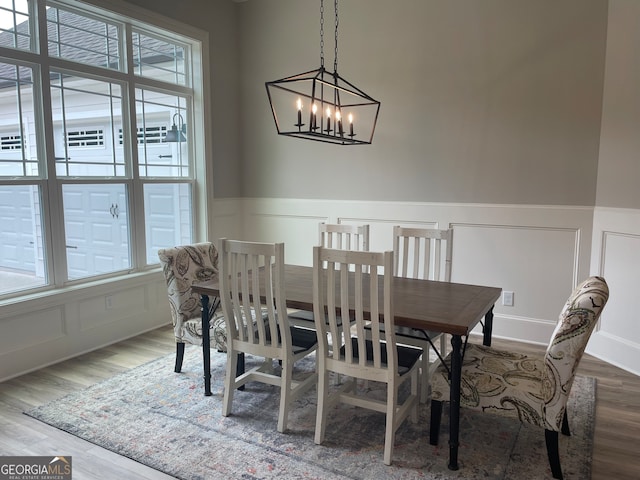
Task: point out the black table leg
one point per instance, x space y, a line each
206 344
488 327
454 400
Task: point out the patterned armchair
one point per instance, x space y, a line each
533 390
182 267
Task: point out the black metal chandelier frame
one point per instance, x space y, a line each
321 91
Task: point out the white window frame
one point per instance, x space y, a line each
129 17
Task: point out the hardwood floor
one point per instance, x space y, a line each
617 438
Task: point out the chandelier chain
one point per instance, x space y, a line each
335 53
322 33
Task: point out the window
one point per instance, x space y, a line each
15 29
122 173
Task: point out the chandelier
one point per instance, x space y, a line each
322 106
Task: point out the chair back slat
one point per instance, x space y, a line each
419 253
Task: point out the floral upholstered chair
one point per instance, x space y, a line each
531 389
183 266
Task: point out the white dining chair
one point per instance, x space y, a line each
423 253
342 236
373 360
419 253
249 271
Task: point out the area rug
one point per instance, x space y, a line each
163 420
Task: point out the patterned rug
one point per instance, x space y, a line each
163 420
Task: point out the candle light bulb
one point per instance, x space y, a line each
350 125
299 124
314 109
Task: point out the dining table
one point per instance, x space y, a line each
446 307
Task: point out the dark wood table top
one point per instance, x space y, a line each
452 308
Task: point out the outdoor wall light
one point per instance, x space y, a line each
178 130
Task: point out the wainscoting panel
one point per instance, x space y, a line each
98 311
33 330
616 256
511 257
53 326
225 220
538 252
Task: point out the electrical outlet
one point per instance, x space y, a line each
108 302
507 299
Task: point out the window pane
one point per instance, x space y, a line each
167 217
83 39
14 24
18 145
170 156
159 59
87 119
96 229
22 263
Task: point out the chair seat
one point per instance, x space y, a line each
506 383
407 356
307 316
303 339
192 332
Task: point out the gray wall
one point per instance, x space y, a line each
493 101
619 162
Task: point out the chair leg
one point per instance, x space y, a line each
551 438
321 411
285 394
443 345
565 424
415 391
436 417
229 382
390 433
179 356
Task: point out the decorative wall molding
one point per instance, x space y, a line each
616 256
54 326
535 251
539 252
